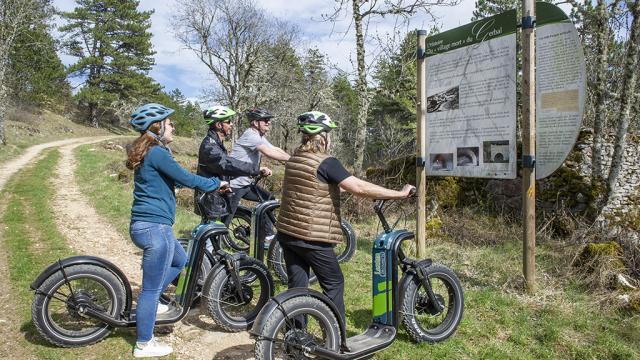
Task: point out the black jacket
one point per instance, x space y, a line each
213 160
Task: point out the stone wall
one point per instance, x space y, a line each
625 199
570 188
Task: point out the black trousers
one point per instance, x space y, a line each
324 264
249 193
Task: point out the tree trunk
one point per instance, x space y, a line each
627 96
600 118
362 92
3 101
93 115
6 43
3 111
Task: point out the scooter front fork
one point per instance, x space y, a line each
421 271
235 273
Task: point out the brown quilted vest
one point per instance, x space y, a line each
310 209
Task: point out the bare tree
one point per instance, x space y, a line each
602 41
289 84
361 12
15 17
627 95
230 38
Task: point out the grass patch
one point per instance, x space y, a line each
560 321
33 243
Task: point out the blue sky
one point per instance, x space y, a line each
179 68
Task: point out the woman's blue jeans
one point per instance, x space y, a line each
162 261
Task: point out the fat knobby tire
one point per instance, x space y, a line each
214 285
296 306
408 300
40 315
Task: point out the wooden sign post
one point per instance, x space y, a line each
529 142
421 177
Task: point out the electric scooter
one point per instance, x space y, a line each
301 323
78 300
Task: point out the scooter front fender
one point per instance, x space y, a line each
272 306
85 260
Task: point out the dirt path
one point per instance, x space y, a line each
196 337
13 166
10 322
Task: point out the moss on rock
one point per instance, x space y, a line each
608 254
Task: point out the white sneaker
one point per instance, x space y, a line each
151 349
162 308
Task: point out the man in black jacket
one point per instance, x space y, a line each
213 159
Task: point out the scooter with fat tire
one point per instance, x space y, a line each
78 300
302 323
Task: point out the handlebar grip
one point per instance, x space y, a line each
413 192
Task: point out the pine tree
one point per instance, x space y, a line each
346 99
112 42
37 75
16 17
393 107
486 8
316 79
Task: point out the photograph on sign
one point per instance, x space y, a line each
441 162
496 152
467 156
471 99
447 100
560 88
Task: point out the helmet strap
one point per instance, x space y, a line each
162 132
153 135
219 129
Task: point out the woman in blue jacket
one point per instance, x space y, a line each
153 214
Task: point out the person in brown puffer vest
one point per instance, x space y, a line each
309 219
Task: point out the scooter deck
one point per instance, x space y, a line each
173 313
376 337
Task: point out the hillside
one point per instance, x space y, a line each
29 127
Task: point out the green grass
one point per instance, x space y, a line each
33 243
560 321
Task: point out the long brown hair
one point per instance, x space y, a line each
316 143
140 146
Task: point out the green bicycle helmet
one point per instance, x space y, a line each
215 114
315 122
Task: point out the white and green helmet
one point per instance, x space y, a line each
315 122
218 113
